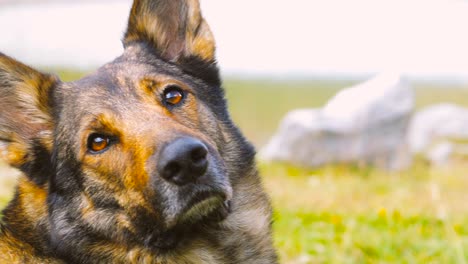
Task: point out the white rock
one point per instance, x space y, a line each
436 123
437 131
441 153
366 123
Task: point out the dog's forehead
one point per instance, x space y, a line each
120 77
117 86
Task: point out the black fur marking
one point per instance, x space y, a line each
207 71
66 178
39 168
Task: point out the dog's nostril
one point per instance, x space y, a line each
172 168
199 154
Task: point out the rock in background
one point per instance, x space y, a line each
365 124
439 132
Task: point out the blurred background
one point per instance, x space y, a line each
373 166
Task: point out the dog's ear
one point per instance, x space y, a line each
25 113
174 28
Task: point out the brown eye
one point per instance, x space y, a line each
98 142
173 95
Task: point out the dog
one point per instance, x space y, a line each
138 162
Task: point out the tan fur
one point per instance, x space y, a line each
32 207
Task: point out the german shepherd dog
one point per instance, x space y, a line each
138 162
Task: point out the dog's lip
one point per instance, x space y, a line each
203 195
222 212
204 204
169 240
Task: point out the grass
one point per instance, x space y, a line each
345 213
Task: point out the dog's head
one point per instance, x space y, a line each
139 150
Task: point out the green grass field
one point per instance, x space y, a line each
349 214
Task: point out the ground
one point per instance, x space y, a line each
345 213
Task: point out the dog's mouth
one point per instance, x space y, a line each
203 210
206 207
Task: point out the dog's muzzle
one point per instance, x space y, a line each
196 185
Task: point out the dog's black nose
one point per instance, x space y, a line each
183 161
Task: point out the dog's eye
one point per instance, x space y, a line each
98 143
173 95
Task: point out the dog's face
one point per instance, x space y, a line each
134 152
143 131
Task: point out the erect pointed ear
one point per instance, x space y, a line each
174 28
25 113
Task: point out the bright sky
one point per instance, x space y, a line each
264 36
